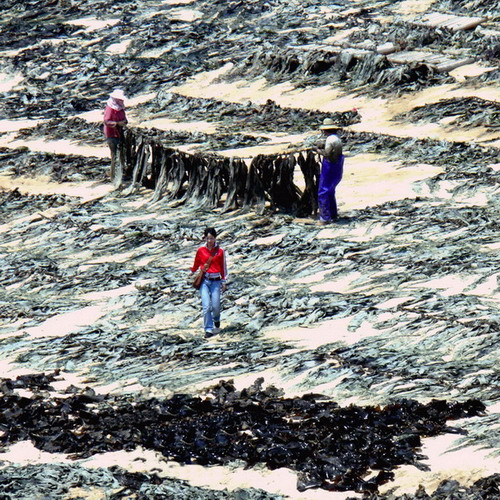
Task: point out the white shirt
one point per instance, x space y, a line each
333 147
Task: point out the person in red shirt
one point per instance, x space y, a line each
214 281
114 121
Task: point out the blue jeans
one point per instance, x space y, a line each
210 302
331 175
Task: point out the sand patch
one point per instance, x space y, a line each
87 191
168 124
465 466
205 85
470 70
62 146
16 125
368 181
119 48
93 24
66 323
412 7
25 453
326 332
9 81
448 285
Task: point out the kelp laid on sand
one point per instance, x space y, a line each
234 117
328 446
62 481
466 113
58 167
395 297
278 40
487 488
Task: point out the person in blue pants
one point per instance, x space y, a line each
332 168
211 258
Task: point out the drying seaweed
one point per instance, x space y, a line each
201 180
398 292
268 117
468 112
441 251
13 200
57 481
76 129
487 488
464 7
59 167
355 69
208 43
86 133
414 36
328 446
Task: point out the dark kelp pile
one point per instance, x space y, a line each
328 446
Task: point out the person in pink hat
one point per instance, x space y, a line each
114 121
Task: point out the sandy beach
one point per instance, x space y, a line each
94 231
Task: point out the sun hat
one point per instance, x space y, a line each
328 124
118 94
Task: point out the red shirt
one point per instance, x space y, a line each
218 264
113 115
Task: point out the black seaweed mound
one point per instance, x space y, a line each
328 446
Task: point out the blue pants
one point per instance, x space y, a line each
210 302
330 176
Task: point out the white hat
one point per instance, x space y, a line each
329 124
118 94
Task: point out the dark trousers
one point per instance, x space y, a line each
114 147
330 176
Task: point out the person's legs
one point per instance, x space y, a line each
113 147
331 175
216 302
333 202
119 162
206 304
324 198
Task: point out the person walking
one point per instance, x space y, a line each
332 168
211 258
114 121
